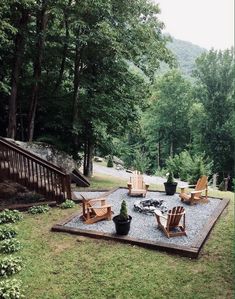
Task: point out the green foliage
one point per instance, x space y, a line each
94 92
165 122
140 162
67 204
186 54
162 172
10 265
110 161
123 215
189 168
170 178
10 216
215 73
7 232
11 289
10 246
38 209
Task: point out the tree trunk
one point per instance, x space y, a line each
171 149
42 18
159 155
85 158
18 53
65 48
76 84
88 163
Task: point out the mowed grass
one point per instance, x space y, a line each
63 266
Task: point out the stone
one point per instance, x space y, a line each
117 160
119 167
148 206
49 153
98 159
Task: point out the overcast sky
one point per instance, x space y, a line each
206 23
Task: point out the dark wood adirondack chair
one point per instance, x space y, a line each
136 186
96 209
173 224
196 196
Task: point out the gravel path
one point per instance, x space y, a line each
97 168
144 227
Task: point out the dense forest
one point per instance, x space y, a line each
84 76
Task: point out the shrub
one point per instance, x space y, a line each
123 216
7 232
9 246
170 178
162 172
140 161
180 165
200 167
189 168
8 216
110 162
39 209
10 265
67 204
10 289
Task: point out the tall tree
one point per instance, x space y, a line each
215 75
107 34
22 14
41 24
166 121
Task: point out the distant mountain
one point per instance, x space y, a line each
185 53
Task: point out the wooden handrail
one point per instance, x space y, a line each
33 172
31 155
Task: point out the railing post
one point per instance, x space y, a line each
68 187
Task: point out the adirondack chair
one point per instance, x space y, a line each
170 224
96 209
136 186
196 196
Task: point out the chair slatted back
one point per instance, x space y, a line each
201 183
175 215
137 180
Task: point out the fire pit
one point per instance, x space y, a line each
148 206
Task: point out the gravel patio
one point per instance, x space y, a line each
200 219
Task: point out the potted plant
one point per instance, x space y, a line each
122 220
170 184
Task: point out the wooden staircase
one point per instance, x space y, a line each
33 172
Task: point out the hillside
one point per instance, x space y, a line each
186 54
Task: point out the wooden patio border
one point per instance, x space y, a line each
188 251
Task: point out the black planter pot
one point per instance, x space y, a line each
170 188
122 227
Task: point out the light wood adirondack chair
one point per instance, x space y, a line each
94 210
170 224
196 195
136 186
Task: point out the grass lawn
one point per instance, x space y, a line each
63 266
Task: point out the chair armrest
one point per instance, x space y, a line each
198 191
159 213
186 186
101 207
97 199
